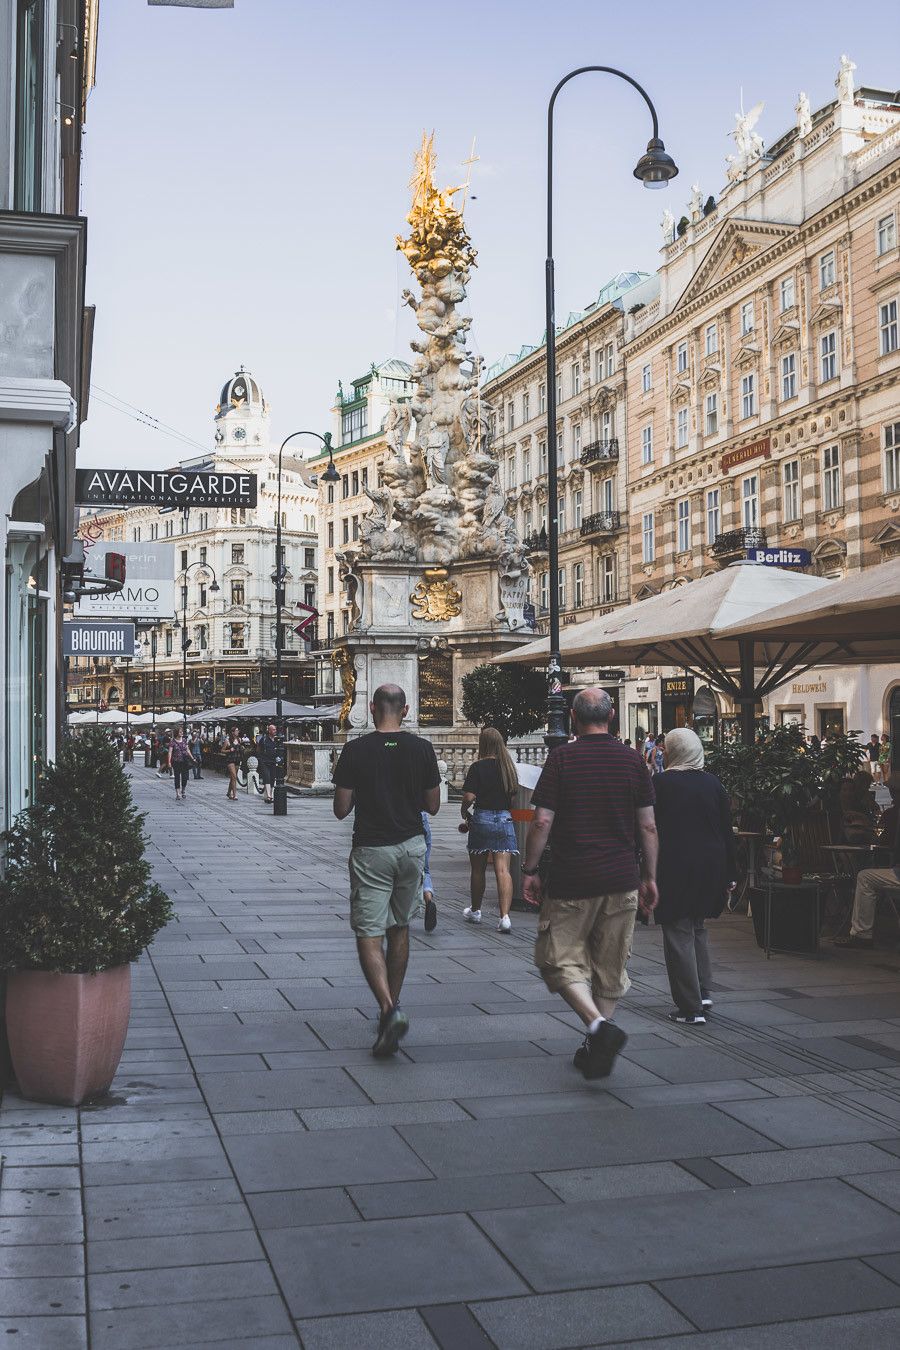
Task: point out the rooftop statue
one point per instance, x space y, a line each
748 141
439 500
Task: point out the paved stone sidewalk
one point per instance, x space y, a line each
257 1180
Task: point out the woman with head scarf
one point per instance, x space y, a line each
696 869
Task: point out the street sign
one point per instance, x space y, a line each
149 589
780 557
171 487
97 639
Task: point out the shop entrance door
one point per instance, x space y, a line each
831 722
894 728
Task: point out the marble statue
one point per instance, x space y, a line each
667 225
844 82
696 203
804 116
749 143
439 500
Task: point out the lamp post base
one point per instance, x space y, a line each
279 798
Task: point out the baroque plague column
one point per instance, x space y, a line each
439 579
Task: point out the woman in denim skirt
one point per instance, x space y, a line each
490 787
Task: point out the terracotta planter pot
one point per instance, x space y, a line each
66 1032
791 875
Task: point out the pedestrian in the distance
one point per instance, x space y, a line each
488 793
696 870
165 749
594 802
431 915
195 745
267 754
389 778
884 758
180 761
873 746
233 754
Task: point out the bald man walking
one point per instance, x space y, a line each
594 802
389 778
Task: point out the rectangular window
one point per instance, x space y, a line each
831 477
608 577
544 592
647 445
330 495
646 379
684 525
712 414
607 495
576 377
237 554
827 357
184 559
29 100
329 627
309 595
681 358
886 234
576 441
648 537
606 428
887 327
345 486
170 528
713 515
511 471
712 339
168 642
203 553
577 508
355 481
345 530
609 353
355 528
787 293
892 457
826 270
238 636
560 448
331 581
578 585
330 533
136 534
365 478
237 592
559 393
542 457
750 502
748 396
561 587
526 464
309 558
527 523
791 481
154 531
526 407
681 428
561 514
510 415
789 376
542 397
747 318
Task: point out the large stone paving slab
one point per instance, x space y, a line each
323 1158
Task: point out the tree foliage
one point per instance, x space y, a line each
511 698
77 894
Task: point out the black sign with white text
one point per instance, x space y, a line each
168 487
98 639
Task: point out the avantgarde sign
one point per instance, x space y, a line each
170 487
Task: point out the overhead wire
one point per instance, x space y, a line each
121 405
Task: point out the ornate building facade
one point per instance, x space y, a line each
232 631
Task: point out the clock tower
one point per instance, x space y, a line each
242 418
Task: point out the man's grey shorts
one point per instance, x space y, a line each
385 885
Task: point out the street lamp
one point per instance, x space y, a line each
150 643
655 169
330 475
185 640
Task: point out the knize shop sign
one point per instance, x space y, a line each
151 487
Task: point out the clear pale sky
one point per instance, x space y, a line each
246 172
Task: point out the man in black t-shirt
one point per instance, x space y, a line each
390 777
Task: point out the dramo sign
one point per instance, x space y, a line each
149 590
98 639
149 487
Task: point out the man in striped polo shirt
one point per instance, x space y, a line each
594 802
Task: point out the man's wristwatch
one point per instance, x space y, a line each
530 871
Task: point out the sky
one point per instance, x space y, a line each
246 172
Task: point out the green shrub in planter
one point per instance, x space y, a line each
77 894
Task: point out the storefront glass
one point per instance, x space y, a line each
830 722
643 718
705 715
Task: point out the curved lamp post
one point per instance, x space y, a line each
655 169
330 475
185 640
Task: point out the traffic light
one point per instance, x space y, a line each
115 568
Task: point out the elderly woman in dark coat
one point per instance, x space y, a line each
696 869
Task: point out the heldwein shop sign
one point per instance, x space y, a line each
169 487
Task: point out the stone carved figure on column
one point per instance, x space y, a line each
342 659
844 82
438 480
351 580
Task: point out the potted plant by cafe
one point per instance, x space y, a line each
77 906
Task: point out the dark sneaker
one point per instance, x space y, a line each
430 916
688 1019
865 944
392 1027
597 1055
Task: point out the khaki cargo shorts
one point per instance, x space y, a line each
385 885
587 941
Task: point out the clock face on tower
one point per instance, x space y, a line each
239 434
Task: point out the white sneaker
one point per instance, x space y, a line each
472 915
504 926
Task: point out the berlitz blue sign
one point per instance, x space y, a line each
780 557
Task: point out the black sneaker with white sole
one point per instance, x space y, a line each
392 1027
430 915
596 1056
688 1019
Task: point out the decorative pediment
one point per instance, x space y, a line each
787 334
604 399
736 242
832 549
747 355
645 592
710 376
682 392
236 571
888 539
826 314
